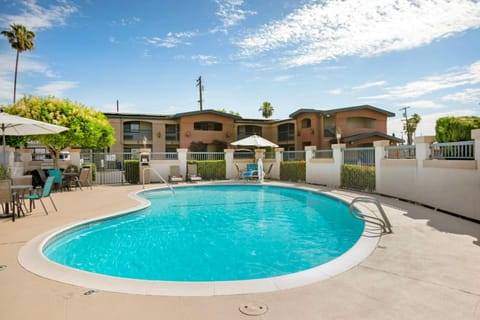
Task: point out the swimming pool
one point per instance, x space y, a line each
277 234
214 233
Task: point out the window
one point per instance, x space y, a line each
208 126
286 132
247 131
172 132
306 123
131 127
329 128
361 122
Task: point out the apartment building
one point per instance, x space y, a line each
356 126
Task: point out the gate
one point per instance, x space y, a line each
109 166
358 169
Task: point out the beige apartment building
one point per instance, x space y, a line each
358 126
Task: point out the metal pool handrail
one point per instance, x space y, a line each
159 175
383 223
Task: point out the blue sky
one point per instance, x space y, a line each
295 54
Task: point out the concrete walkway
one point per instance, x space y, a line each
429 268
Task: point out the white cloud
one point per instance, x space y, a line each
335 91
55 88
469 95
112 39
283 78
36 17
423 104
205 60
230 14
171 40
367 85
126 21
326 30
468 75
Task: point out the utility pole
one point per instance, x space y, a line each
406 129
118 107
200 89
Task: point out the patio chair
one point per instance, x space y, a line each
46 193
8 200
175 175
58 181
83 179
251 173
192 172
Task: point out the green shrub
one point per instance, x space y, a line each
293 171
210 169
131 171
358 177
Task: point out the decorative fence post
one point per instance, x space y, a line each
422 148
230 170
338 162
309 155
275 174
476 136
182 161
379 155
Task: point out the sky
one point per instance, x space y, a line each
328 54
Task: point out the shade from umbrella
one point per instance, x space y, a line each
255 141
12 125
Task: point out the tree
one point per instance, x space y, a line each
267 109
88 128
21 39
411 127
452 129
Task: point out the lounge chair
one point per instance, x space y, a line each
192 172
269 172
175 175
251 173
47 189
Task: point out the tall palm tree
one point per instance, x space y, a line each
267 109
412 124
21 39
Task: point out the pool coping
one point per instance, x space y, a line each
32 259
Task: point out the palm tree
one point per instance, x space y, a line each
266 109
412 127
21 39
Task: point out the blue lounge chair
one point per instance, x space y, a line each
252 171
47 189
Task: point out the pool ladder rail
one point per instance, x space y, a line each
383 223
159 175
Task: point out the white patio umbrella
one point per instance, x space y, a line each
255 141
12 125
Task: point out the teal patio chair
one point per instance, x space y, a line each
58 181
46 193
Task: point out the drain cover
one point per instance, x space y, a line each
253 309
89 292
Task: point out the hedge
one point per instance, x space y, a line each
132 174
293 171
210 169
358 177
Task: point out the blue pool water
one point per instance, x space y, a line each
213 233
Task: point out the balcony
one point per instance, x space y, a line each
137 137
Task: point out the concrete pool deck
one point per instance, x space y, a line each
429 268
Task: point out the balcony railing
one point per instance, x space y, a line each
137 136
462 150
400 152
323 154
